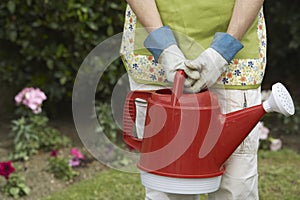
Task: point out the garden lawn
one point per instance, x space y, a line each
279 175
279 178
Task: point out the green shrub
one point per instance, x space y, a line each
32 134
15 185
25 141
60 168
43 43
107 124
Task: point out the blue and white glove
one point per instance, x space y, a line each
213 61
163 46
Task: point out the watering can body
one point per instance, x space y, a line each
186 138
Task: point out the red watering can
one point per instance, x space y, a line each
187 139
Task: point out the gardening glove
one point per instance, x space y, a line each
213 61
163 46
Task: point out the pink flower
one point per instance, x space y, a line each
276 144
6 169
76 153
74 162
31 98
263 131
19 97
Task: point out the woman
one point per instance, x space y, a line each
233 36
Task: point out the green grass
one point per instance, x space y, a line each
279 178
108 185
279 175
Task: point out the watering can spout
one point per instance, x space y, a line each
236 128
239 124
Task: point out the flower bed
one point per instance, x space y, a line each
39 158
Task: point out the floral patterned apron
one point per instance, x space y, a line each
246 71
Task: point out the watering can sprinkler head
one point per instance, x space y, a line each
279 101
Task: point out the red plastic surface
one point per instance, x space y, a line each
185 134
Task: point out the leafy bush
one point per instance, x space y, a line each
31 131
107 124
60 168
25 141
33 134
15 183
43 42
16 186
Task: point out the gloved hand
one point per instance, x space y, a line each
163 46
213 61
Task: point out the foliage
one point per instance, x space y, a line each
32 134
25 141
15 186
31 131
109 127
60 168
44 42
107 123
51 138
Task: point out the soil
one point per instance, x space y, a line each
42 183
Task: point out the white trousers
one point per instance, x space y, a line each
240 181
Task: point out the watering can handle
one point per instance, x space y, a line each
129 117
178 86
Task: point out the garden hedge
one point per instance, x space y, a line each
43 43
